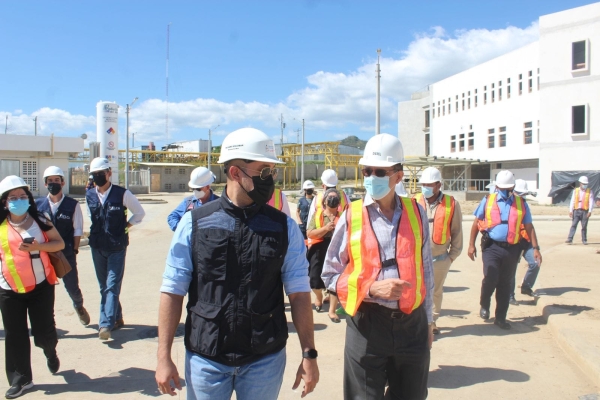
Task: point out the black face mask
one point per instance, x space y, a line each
263 189
309 191
54 188
333 202
100 180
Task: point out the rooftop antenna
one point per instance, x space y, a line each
167 82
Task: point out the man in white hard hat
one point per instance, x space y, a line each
499 217
329 180
379 265
200 180
580 209
108 207
65 213
234 257
308 188
445 226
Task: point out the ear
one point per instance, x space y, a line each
234 173
399 177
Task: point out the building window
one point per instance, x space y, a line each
438 110
182 186
433 108
181 171
167 186
167 171
461 143
502 140
502 129
475 100
520 76
471 140
493 96
463 104
579 55
520 88
579 118
508 91
530 73
508 81
528 137
469 103
530 85
490 131
456 106
427 119
491 140
427 144
29 174
528 124
499 94
443 110
484 98
453 144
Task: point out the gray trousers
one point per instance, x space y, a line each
579 215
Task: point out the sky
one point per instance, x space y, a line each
235 64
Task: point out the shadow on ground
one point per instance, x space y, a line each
558 291
318 327
452 289
457 376
130 380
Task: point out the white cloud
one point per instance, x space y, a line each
49 121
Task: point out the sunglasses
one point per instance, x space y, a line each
264 173
98 173
380 173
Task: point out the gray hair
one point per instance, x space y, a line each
327 192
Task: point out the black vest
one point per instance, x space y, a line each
236 311
62 220
109 222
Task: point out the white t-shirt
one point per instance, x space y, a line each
38 268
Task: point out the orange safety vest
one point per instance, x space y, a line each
586 200
442 218
365 260
524 234
319 223
515 217
276 201
17 267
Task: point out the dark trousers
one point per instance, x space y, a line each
39 304
499 268
384 348
579 215
71 282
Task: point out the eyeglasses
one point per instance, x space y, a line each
18 198
264 173
380 173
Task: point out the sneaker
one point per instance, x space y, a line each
83 315
436 330
513 301
17 389
568 241
119 324
53 364
104 333
585 242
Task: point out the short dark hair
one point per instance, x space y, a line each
397 167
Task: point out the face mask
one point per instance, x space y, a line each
427 191
309 191
18 207
584 187
199 194
54 188
333 202
504 193
377 187
263 190
100 180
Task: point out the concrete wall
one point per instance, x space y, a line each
411 123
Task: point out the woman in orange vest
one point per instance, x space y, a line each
319 232
26 283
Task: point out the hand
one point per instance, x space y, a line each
308 371
538 257
472 252
430 336
571 215
589 214
29 246
330 226
389 289
165 372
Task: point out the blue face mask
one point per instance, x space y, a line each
377 187
18 207
504 193
584 187
427 191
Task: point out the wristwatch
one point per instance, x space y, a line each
310 354
537 248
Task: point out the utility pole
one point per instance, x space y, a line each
6 126
35 121
296 155
378 70
167 82
210 146
282 127
127 110
302 169
133 140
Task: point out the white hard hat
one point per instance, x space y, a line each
400 190
583 179
248 144
430 175
308 185
99 164
505 179
383 150
51 171
11 182
200 177
521 187
329 178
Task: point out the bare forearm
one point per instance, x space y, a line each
76 240
169 315
52 246
474 232
302 317
531 233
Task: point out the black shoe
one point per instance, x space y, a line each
53 364
513 301
17 390
527 291
568 241
484 313
502 324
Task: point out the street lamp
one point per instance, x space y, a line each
378 93
302 156
210 145
127 109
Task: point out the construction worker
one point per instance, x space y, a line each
580 209
308 187
329 180
108 205
279 200
200 180
233 258
445 226
499 217
65 213
533 269
379 264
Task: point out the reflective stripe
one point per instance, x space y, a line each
416 228
319 219
586 200
489 206
448 204
355 243
519 220
9 259
277 199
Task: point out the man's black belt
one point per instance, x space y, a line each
504 245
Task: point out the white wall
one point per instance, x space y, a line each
411 124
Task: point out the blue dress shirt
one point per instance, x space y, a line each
499 232
175 216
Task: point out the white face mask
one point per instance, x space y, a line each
199 194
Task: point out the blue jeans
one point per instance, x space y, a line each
71 282
110 266
209 380
531 274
